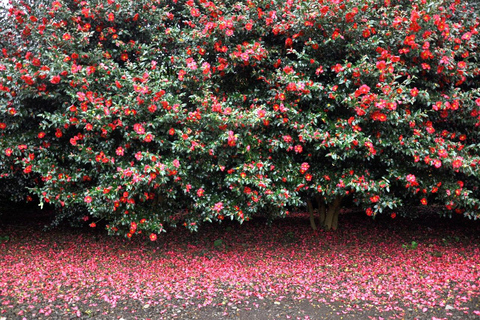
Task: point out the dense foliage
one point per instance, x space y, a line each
155 113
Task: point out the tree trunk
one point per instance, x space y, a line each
328 213
335 218
331 219
321 209
312 217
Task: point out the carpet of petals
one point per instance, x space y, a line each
367 269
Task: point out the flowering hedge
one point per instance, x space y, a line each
156 113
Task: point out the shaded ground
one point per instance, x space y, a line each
383 269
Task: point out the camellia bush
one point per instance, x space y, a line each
153 113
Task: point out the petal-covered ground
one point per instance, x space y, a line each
398 269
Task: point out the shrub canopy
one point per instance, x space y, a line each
155 113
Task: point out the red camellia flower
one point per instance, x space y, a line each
304 167
298 148
288 43
148 138
153 237
232 139
411 178
152 108
92 225
381 65
218 206
338 68
288 69
8 152
55 79
366 33
195 12
364 89
176 163
457 163
379 116
3 126
369 211
88 199
139 129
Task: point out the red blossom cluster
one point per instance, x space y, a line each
184 106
